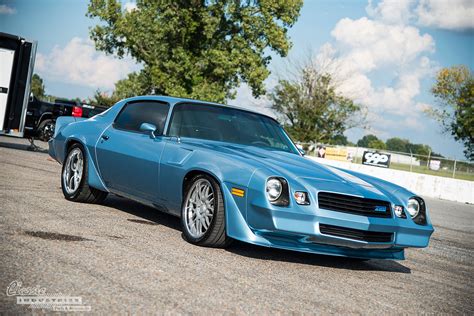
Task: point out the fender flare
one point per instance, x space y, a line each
93 177
41 118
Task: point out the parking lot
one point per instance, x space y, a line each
122 257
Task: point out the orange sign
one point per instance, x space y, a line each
335 153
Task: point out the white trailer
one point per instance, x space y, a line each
17 59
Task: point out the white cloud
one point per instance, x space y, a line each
79 63
422 107
366 48
391 11
130 6
373 44
245 99
451 15
4 9
380 65
388 126
444 14
381 61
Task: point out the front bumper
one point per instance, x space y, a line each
299 228
303 232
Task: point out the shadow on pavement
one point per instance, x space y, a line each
261 253
264 253
148 213
26 147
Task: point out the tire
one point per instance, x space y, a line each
46 130
214 235
77 190
357 260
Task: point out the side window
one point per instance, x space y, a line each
136 113
196 121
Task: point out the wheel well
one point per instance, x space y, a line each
44 117
187 178
69 144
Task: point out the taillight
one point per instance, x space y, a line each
77 111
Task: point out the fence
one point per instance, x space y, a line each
425 164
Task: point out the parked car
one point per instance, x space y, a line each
41 115
231 173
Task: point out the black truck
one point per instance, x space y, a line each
41 115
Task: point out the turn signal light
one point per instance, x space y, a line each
399 211
301 198
238 192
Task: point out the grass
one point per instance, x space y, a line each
425 170
440 173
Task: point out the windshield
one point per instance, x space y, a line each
228 125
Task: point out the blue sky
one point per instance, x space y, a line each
389 50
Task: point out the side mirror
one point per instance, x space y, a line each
148 127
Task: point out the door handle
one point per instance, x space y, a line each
176 138
105 137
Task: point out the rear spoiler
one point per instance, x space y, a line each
63 121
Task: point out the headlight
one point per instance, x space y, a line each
416 207
274 189
277 191
413 207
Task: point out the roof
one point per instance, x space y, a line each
175 100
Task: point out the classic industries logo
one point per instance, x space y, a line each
37 297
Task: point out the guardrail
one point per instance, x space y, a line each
423 164
422 184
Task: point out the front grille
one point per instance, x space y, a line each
354 205
356 234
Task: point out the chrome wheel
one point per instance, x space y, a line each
199 208
48 131
72 172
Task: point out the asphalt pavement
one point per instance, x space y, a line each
125 258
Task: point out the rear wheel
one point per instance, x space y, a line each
73 178
46 130
203 214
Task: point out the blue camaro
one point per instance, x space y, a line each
230 173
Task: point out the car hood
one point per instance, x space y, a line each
307 172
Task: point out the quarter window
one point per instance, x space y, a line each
136 113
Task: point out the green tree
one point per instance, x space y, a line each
397 144
137 83
103 99
365 141
377 144
404 145
311 108
339 140
37 86
195 48
419 149
454 91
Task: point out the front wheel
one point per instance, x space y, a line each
74 178
203 214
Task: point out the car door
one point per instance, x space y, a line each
128 158
188 122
